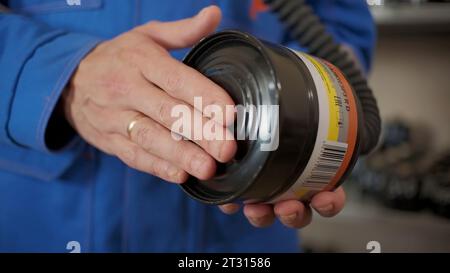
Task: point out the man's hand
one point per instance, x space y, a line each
133 78
292 213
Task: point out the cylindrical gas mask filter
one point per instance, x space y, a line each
299 116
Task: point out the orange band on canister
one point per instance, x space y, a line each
352 128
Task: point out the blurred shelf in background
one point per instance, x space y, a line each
410 17
364 220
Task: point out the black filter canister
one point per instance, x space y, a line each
299 115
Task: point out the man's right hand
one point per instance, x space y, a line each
133 77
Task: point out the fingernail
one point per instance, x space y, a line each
290 218
230 208
326 208
172 171
202 12
257 221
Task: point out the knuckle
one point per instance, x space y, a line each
156 169
129 156
131 55
173 81
116 85
164 110
202 165
143 137
181 177
171 173
184 153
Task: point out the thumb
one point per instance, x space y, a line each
183 33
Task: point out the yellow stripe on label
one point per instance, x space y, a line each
333 131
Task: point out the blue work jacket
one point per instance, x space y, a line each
52 196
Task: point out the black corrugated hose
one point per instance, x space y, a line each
309 31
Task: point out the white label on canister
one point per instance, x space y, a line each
336 133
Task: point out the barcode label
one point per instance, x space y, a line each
330 160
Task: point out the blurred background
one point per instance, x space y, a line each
399 196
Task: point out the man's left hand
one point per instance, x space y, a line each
291 213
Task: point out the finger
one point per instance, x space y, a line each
329 204
293 213
183 33
230 208
135 157
186 84
131 154
259 215
154 139
166 110
217 145
158 141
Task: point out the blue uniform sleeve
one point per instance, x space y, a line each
351 24
36 65
36 62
